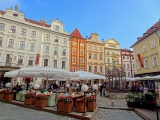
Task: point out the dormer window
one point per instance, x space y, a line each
57 28
153 28
145 34
138 38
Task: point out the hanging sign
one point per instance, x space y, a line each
140 60
37 59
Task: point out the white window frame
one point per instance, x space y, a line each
90 56
32 46
23 31
153 44
145 63
144 48
11 43
73 59
137 50
2 26
90 69
20 59
47 37
33 34
30 60
47 49
22 45
1 41
56 50
101 69
81 60
55 63
73 69
154 63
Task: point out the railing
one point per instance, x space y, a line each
9 64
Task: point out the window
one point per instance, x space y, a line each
128 74
100 48
73 69
73 59
57 28
20 59
81 52
94 38
2 26
11 43
9 58
47 37
13 29
108 60
23 31
45 62
56 50
33 34
64 52
100 57
32 46
117 61
74 43
139 65
22 45
56 39
127 58
123 57
90 47
55 63
128 66
90 55
47 49
90 68
64 40
132 58
138 51
81 60
63 64
1 40
124 65
95 47
107 52
144 48
145 63
95 56
133 66
95 69
74 50
82 44
154 59
101 69
153 44
30 61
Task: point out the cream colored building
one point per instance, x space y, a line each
21 39
95 55
112 47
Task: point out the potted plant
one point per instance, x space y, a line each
41 100
60 103
91 103
9 95
130 99
2 94
29 98
68 104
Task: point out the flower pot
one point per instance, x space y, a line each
40 103
2 95
91 106
29 101
9 96
131 104
60 106
80 106
68 107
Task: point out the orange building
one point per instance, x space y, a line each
77 52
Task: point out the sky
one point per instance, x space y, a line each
123 20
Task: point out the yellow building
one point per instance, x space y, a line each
95 55
146 52
112 47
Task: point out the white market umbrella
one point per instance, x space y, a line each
147 78
156 77
47 73
129 79
83 75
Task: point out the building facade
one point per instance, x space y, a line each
77 52
127 61
95 55
146 52
28 43
112 47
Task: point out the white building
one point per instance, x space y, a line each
22 40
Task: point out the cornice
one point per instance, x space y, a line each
2 33
24 38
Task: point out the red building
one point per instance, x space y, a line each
127 60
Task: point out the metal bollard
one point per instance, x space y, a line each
112 103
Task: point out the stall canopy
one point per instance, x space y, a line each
83 75
47 73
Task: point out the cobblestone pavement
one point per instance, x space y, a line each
114 114
106 102
13 112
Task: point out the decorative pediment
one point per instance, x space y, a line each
101 64
9 51
64 46
55 44
95 63
24 38
90 63
32 39
63 58
12 35
47 42
46 55
1 33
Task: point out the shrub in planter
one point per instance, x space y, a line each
41 100
60 103
130 99
2 94
68 104
91 103
9 95
29 98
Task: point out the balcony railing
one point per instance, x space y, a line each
9 64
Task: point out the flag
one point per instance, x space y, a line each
140 60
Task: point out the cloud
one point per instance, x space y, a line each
8 3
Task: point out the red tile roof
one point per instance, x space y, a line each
76 33
29 20
127 50
149 32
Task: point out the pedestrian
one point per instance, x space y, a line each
101 87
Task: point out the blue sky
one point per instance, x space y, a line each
123 20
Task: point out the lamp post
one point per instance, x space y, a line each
8 85
95 88
84 89
36 87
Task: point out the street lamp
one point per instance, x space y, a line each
95 88
36 87
84 89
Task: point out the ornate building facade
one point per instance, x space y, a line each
28 43
95 55
77 52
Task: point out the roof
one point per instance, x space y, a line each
149 32
76 33
30 21
126 50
